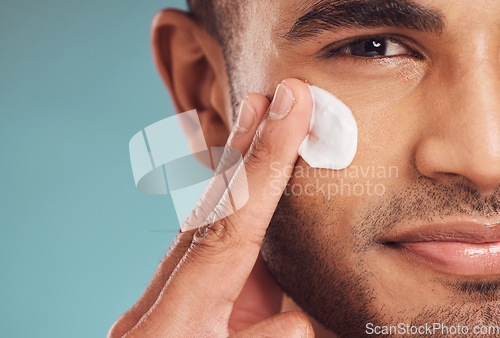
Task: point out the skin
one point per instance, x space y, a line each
436 119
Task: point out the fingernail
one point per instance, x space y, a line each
282 104
246 119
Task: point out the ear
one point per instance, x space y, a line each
191 64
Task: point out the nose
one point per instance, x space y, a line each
461 140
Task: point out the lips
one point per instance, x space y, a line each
462 248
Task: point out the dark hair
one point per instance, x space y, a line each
205 13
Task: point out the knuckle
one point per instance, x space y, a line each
302 323
217 237
203 209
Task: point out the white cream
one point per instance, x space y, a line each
333 133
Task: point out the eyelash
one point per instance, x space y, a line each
336 50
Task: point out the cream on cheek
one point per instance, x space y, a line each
333 133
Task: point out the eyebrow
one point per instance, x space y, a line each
335 14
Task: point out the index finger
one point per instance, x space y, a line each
211 275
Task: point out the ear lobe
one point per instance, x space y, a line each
192 66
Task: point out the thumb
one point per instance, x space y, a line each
288 324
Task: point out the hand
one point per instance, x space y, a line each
212 281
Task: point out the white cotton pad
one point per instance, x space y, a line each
333 133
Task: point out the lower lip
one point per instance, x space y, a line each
459 257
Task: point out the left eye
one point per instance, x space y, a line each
374 47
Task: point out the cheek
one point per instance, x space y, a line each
333 203
384 98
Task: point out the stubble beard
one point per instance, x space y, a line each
328 277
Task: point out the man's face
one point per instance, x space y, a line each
399 236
